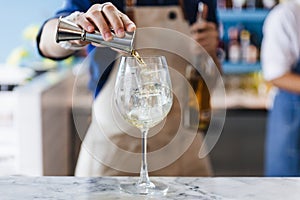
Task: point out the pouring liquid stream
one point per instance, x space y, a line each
137 56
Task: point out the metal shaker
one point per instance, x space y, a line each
67 30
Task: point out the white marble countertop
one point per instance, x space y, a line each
74 188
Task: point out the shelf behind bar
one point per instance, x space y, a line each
245 15
240 67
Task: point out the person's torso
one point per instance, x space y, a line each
163 17
287 95
190 6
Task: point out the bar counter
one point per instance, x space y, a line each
188 188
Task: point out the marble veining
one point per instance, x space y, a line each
187 188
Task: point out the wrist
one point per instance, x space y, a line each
70 45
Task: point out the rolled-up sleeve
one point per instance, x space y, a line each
280 48
67 8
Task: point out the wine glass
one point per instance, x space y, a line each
143 96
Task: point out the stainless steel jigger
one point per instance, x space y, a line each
67 30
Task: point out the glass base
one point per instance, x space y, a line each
154 188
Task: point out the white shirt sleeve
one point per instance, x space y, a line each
280 45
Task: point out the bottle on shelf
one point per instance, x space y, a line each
221 4
238 4
252 54
251 4
245 43
269 4
233 45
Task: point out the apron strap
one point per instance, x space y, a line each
181 4
131 3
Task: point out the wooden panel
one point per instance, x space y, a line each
56 138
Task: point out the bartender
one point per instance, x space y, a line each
97 158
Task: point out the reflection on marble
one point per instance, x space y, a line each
107 188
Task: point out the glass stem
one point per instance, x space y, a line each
144 177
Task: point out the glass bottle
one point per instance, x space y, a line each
233 45
199 109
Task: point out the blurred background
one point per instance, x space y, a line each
37 132
20 16
29 86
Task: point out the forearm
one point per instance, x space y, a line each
48 45
206 34
289 82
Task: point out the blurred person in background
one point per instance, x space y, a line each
100 15
281 67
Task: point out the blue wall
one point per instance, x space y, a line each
16 15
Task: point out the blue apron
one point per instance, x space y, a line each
282 156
